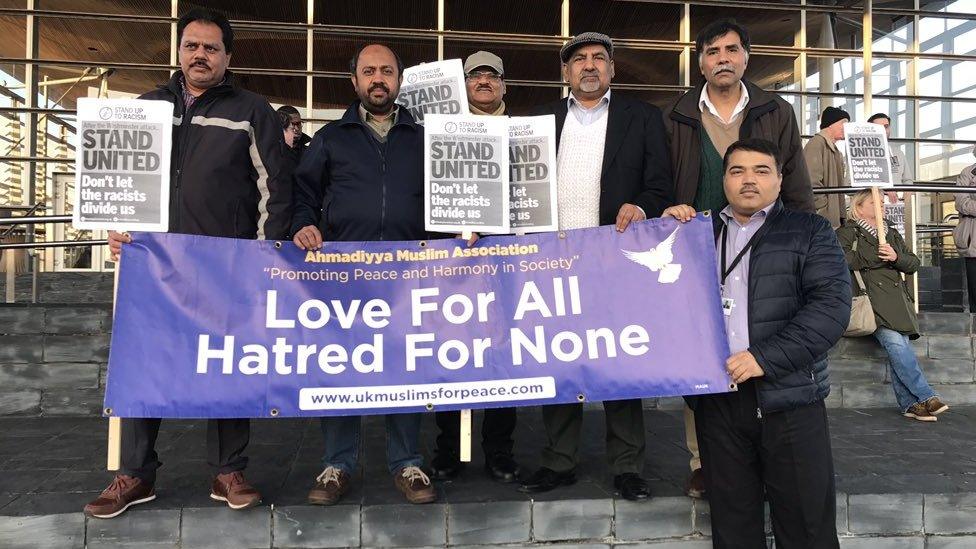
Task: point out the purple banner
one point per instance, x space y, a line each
211 327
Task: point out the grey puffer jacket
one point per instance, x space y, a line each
965 232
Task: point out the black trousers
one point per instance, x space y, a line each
226 441
971 282
625 436
783 457
496 432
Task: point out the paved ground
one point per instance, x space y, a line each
55 465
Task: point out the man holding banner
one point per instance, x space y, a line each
613 168
484 76
362 179
225 179
786 296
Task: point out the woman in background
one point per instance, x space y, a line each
881 268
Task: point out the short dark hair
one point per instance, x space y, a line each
354 62
715 29
288 110
879 115
207 16
754 144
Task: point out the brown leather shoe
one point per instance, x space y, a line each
935 406
124 492
329 487
233 489
695 488
920 412
414 484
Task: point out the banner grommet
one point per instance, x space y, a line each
562 235
277 244
274 412
429 406
707 213
581 397
733 387
423 243
107 411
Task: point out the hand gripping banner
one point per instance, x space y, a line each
211 327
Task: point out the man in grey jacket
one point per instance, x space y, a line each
826 164
965 232
901 172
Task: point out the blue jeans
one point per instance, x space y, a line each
907 378
342 441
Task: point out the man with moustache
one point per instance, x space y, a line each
227 180
702 124
362 179
786 295
484 77
612 169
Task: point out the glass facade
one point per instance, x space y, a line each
919 57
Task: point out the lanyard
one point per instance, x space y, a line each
726 271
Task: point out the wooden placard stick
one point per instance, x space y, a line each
114 460
465 446
879 213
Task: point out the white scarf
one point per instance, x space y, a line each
871 228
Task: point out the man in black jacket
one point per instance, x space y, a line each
786 295
362 178
612 169
225 181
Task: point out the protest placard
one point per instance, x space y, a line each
122 166
394 327
466 174
434 88
532 169
868 163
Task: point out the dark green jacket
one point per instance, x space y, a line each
893 306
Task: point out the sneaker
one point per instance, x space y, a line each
414 484
935 406
920 412
329 487
695 487
124 492
233 489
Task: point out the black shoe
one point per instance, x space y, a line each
444 467
502 468
632 486
546 479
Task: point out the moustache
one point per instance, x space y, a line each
486 87
719 70
200 64
748 188
378 87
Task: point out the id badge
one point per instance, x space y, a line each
727 304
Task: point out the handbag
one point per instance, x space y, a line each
862 321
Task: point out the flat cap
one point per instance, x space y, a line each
484 59
584 39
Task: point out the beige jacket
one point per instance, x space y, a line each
965 232
827 169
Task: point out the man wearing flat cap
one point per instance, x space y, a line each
826 164
484 76
613 169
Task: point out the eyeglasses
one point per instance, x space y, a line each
476 76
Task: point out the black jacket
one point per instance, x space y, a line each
767 116
636 169
226 175
799 306
354 188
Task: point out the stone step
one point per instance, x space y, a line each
863 520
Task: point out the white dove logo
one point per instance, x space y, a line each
659 259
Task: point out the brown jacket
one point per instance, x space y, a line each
826 167
767 116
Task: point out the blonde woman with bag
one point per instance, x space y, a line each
881 268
